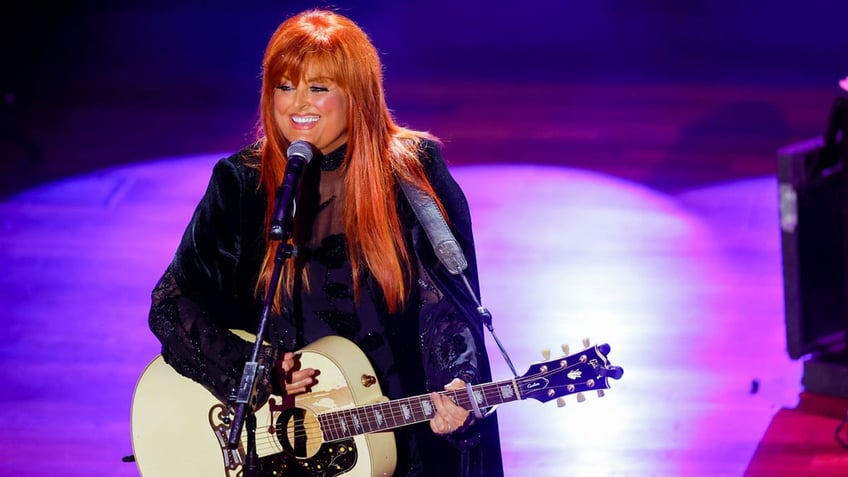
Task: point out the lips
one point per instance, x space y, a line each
304 121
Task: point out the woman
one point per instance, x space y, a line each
363 268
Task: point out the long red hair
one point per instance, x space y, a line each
378 149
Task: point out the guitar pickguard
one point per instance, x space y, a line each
331 460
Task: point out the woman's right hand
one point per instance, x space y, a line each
291 379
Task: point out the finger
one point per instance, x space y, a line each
455 384
441 426
287 363
303 374
438 423
295 390
445 406
300 381
449 415
451 407
459 415
301 384
439 402
303 377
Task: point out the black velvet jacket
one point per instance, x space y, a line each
209 290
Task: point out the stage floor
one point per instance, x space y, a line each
686 287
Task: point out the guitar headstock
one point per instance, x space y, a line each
587 370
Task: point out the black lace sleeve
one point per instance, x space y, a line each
196 347
206 291
450 350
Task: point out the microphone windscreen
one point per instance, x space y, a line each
300 149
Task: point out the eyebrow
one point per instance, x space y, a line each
314 80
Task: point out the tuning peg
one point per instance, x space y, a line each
614 372
580 397
600 393
546 353
585 342
560 402
565 348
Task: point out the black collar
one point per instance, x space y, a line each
334 159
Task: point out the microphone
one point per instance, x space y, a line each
298 155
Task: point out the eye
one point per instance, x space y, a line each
318 89
285 87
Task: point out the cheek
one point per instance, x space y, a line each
281 103
334 105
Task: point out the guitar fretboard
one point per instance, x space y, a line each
387 415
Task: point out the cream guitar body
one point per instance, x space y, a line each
179 428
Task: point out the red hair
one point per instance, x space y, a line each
378 149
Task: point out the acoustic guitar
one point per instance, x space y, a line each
341 427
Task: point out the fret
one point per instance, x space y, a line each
330 426
392 414
507 391
377 420
345 423
406 412
426 408
478 394
357 426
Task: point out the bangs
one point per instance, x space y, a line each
324 44
308 56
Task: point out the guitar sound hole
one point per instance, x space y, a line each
292 432
304 453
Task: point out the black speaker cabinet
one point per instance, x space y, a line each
813 197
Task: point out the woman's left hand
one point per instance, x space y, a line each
449 416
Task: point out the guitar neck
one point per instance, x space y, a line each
387 415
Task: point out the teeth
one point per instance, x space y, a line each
302 120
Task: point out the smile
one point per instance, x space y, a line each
304 120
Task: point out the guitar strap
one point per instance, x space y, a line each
440 235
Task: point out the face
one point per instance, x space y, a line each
313 109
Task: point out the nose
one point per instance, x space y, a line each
301 97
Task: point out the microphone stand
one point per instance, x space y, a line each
281 231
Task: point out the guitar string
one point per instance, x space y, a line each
392 414
488 391
335 422
311 430
267 440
